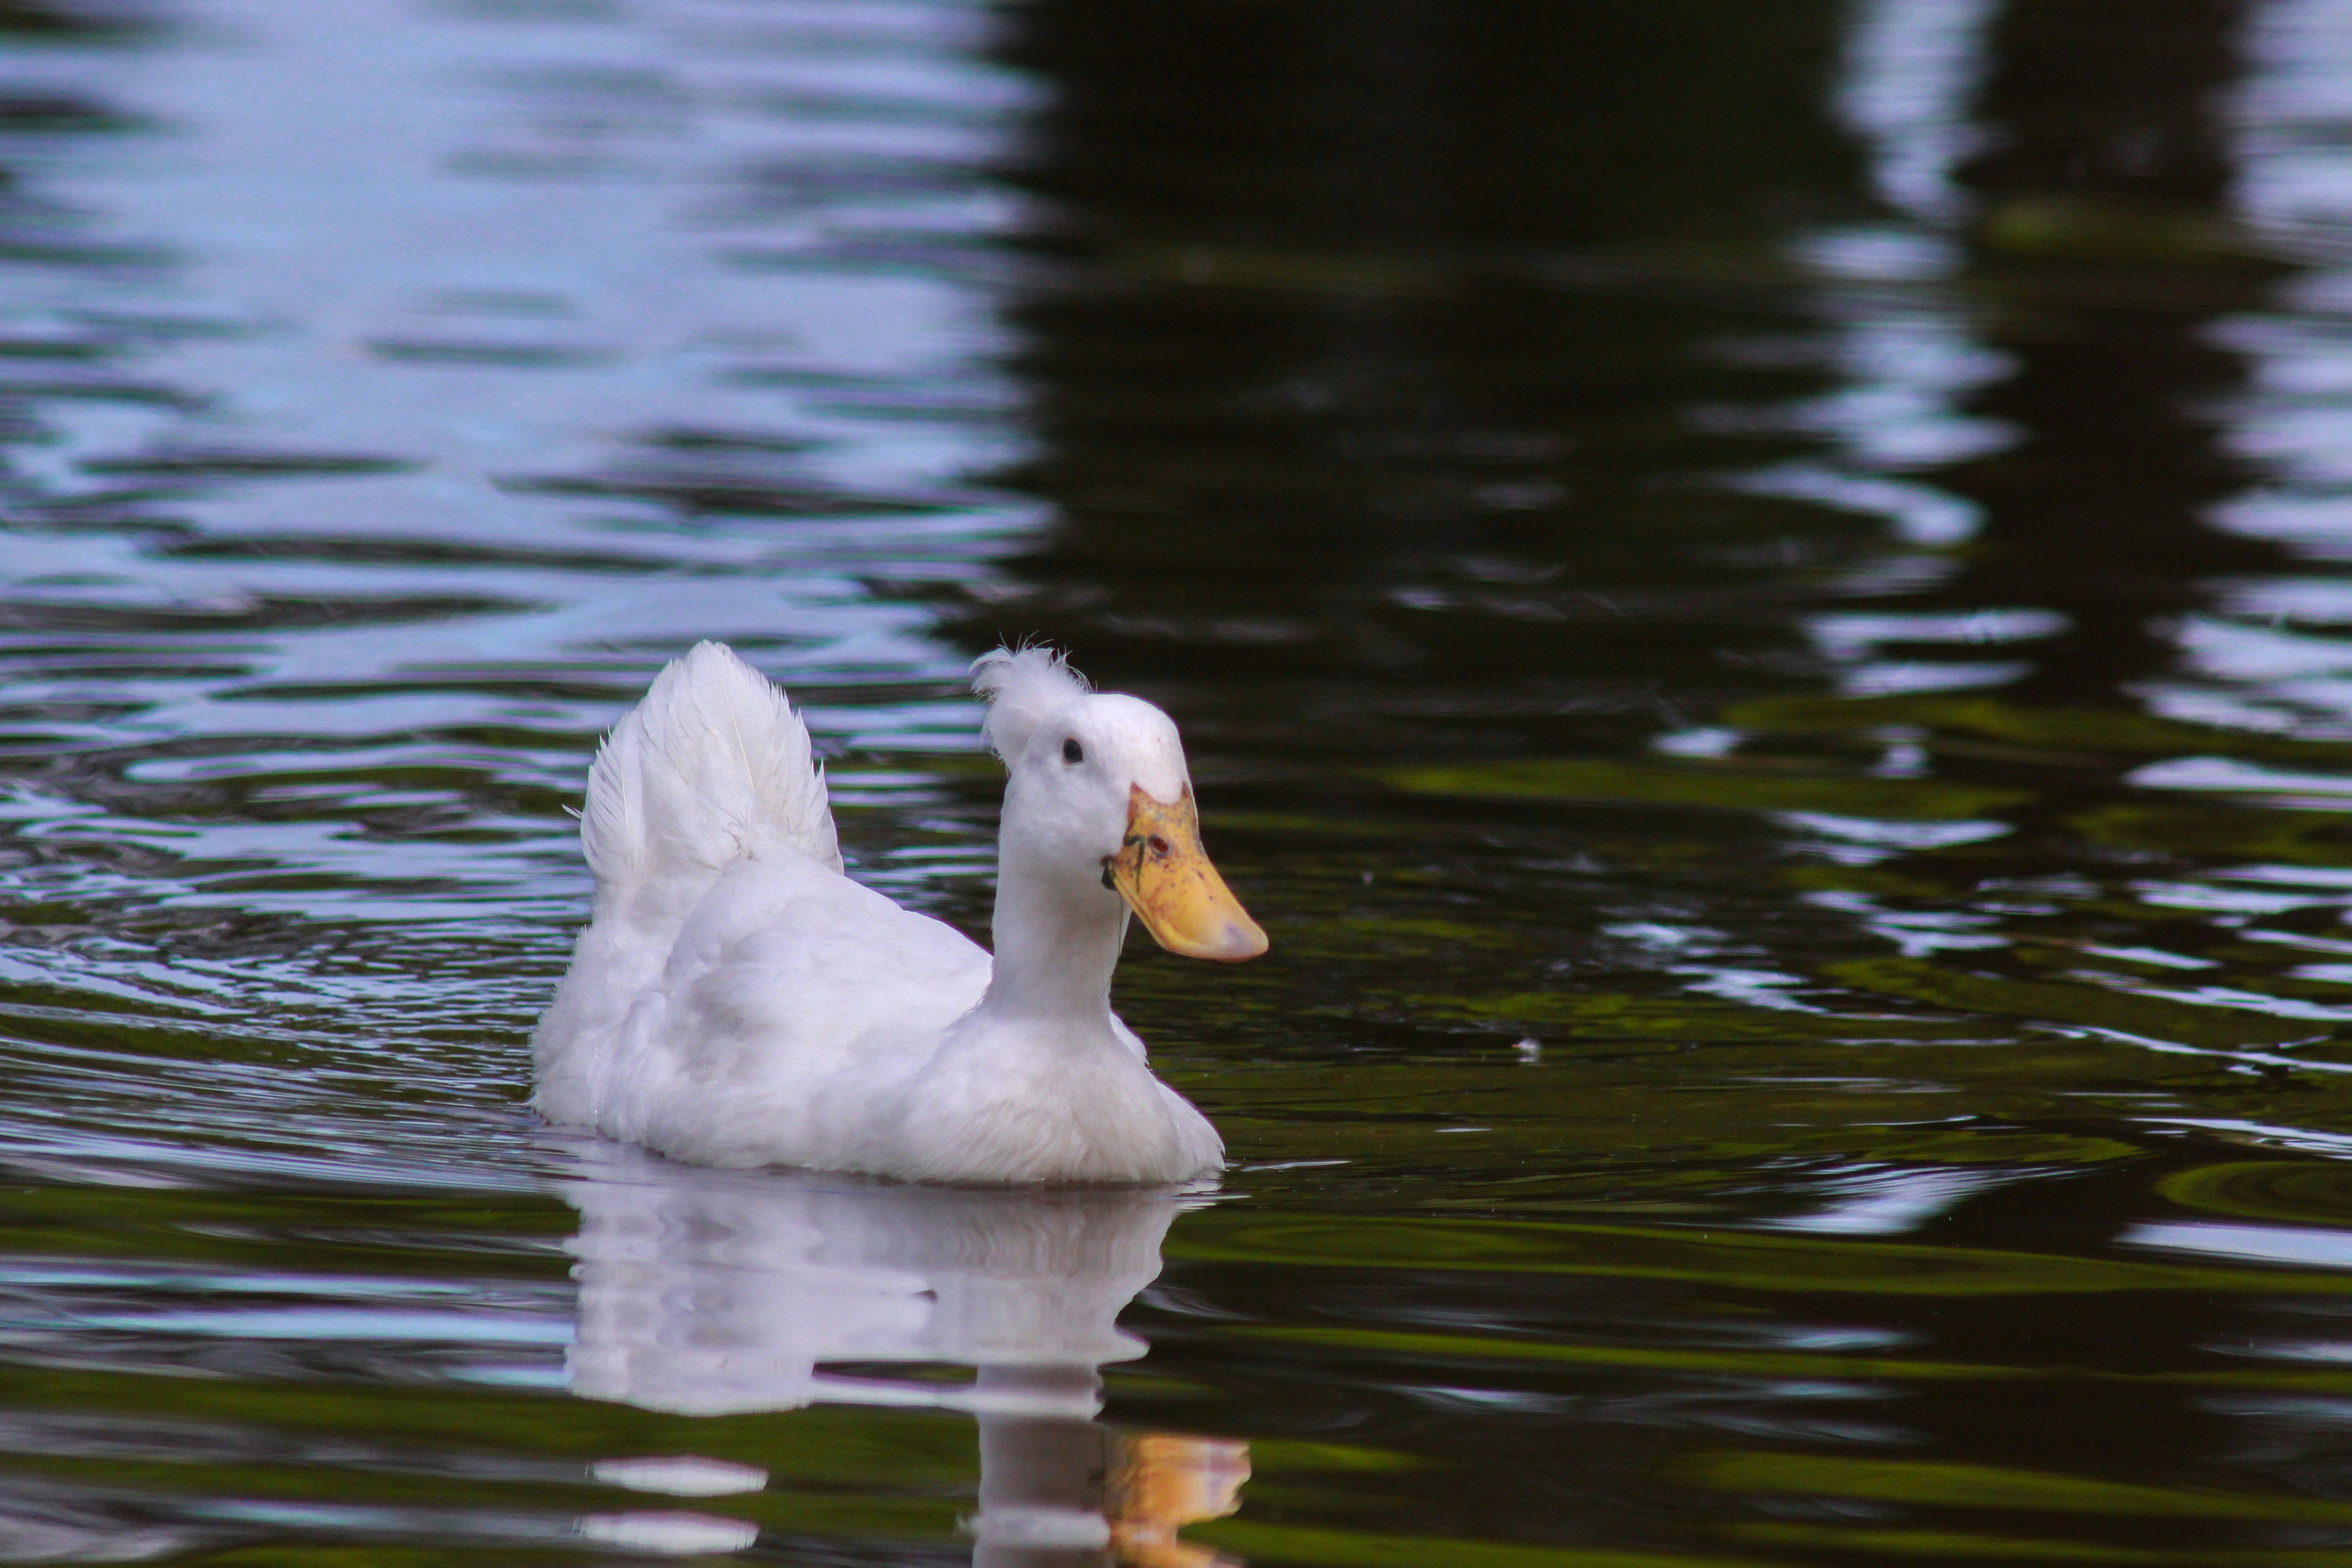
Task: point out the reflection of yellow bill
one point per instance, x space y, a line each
1164 1482
1165 876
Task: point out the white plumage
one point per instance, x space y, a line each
1023 688
712 762
737 1000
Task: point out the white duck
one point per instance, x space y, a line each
737 1000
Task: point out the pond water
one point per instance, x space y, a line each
1761 599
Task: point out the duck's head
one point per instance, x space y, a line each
1100 800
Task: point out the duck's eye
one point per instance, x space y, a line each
1159 844
1072 753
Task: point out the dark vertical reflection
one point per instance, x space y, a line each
2103 240
2103 245
36 19
1288 384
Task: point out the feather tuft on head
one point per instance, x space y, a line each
1021 686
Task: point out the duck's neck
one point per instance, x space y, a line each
1057 941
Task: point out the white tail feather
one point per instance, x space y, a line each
713 763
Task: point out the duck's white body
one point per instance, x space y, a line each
737 1000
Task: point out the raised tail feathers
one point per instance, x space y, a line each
713 762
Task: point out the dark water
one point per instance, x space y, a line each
1761 597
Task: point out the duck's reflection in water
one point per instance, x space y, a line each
710 1292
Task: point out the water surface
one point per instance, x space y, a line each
1761 599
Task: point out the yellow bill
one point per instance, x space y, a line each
1165 876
